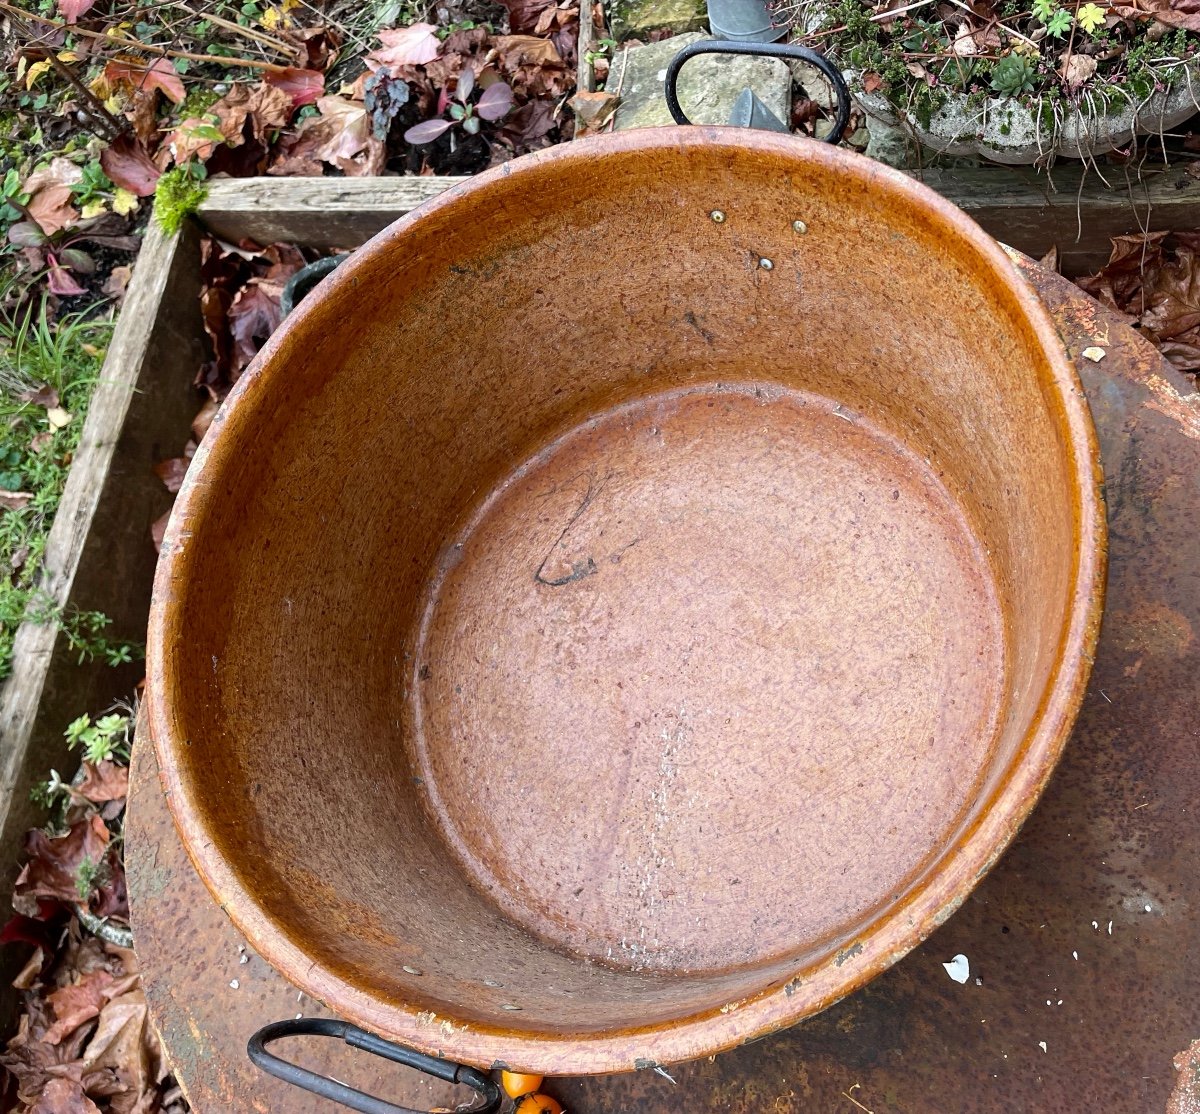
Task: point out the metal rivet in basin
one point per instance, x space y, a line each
765 264
717 216
799 226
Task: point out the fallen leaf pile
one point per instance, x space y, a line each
240 292
84 1043
1153 279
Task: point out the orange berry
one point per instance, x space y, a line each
538 1104
516 1084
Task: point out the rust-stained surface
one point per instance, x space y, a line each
718 612
1116 831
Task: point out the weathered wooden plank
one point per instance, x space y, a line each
1027 209
318 212
99 555
1069 207
585 75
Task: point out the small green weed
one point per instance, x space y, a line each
60 362
106 740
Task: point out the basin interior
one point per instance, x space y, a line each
577 625
700 636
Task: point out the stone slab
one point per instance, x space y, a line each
635 19
708 85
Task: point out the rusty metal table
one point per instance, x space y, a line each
1083 942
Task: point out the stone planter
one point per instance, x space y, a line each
1004 130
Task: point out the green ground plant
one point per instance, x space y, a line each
47 374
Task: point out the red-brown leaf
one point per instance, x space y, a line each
523 15
60 281
78 1003
253 317
160 75
105 782
171 472
54 861
71 10
158 530
303 86
204 418
129 166
111 899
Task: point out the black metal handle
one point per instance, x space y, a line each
331 1089
769 50
299 285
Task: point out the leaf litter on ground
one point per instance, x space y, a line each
1153 279
84 1041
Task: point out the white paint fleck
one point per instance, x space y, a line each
244 959
1110 928
298 1016
1075 956
1042 1045
234 984
1149 908
1094 354
959 968
1096 925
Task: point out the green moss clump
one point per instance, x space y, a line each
176 197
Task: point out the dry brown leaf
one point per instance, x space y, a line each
407 46
64 1096
523 15
172 472
14 500
76 1004
266 107
125 1042
50 202
104 782
158 530
528 50
340 136
54 861
594 110
204 418
195 138
1077 70
45 396
28 975
117 282
1172 13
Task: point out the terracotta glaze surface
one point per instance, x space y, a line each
644 670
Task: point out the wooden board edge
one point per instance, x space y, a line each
37 643
1068 206
323 213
